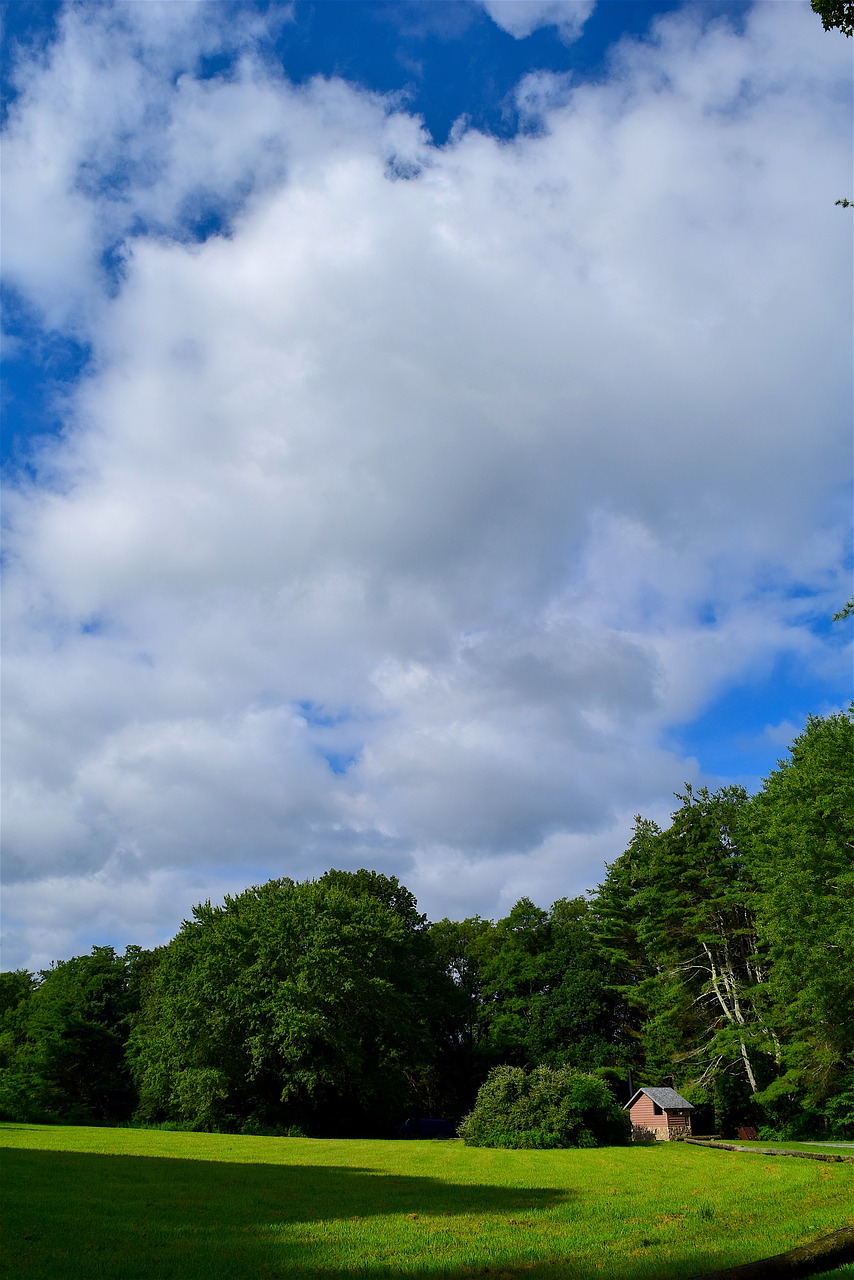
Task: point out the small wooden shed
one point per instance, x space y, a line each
662 1114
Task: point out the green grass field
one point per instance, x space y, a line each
126 1204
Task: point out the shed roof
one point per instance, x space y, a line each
666 1098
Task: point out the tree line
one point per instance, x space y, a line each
717 956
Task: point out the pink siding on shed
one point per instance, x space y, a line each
669 1124
643 1114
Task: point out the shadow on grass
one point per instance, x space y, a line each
70 1215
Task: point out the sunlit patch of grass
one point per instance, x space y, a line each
122 1204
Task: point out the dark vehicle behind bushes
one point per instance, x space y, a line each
422 1127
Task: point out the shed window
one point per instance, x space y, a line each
656 1110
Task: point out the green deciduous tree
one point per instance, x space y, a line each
835 15
65 1038
533 988
462 1049
577 1019
305 1004
515 972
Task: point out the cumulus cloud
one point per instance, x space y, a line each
520 18
397 522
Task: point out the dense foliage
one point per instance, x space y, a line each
545 1107
836 15
800 834
63 1039
717 956
298 1005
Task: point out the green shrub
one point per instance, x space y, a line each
546 1107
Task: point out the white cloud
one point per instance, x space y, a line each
520 18
387 528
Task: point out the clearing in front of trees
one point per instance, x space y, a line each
128 1204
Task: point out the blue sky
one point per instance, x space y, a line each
427 439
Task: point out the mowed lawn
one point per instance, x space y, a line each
122 1203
